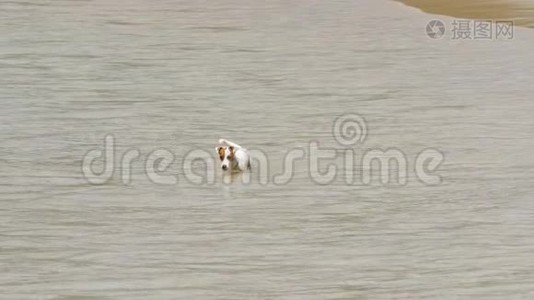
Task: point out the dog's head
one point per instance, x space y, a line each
227 157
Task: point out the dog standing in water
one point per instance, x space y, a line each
234 158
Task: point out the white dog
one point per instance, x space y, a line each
233 157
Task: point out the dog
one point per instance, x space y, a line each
234 158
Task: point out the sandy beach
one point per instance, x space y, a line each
521 12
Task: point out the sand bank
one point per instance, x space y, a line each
521 12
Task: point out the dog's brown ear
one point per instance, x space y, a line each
220 151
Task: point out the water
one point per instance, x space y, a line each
271 76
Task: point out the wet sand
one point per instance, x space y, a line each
522 13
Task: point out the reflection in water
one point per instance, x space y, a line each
237 177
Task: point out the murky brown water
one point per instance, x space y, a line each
271 76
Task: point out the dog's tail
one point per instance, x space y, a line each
228 143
